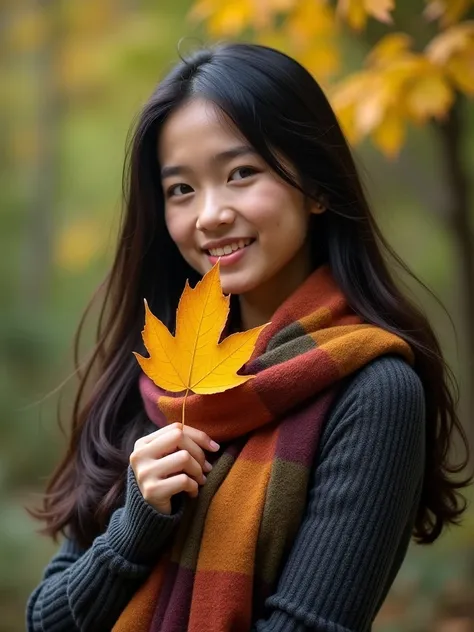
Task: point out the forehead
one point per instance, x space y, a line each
198 127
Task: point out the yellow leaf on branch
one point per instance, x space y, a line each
389 49
371 109
311 30
380 9
194 359
451 42
230 17
344 99
429 96
320 56
461 72
400 86
310 18
309 35
453 50
321 61
390 134
447 11
356 12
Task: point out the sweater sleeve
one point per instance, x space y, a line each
361 506
87 590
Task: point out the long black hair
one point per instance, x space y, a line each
281 110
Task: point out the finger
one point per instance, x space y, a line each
184 442
177 463
180 483
159 492
158 433
188 439
200 437
166 444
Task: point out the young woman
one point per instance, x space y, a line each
287 503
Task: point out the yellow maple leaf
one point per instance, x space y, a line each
400 86
194 359
390 134
355 12
461 72
380 9
310 18
429 96
345 97
388 49
321 61
229 18
453 41
453 51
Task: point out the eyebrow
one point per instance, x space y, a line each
223 156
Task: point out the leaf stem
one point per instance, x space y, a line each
184 405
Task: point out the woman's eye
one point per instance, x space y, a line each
245 172
179 189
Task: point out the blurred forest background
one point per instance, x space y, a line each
72 77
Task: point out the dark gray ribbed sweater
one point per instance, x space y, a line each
364 492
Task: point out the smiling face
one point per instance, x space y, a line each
219 193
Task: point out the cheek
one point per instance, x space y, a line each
177 227
266 202
278 207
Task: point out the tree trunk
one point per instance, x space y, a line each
38 250
451 133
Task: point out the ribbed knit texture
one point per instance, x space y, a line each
106 575
365 489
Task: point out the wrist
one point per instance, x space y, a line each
138 531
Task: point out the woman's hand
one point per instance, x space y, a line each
170 461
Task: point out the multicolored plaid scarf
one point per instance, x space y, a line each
228 552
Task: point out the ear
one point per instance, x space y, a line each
316 207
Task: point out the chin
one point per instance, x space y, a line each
236 287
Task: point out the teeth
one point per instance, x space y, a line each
228 248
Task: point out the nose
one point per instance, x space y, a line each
214 214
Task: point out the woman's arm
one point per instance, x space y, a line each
87 590
361 506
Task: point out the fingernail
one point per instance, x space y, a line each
204 479
214 445
207 466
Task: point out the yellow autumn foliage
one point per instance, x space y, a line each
230 18
78 243
398 84
356 12
306 21
448 12
453 50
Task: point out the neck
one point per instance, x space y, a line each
257 307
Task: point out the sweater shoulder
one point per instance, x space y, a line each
385 378
382 396
387 371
